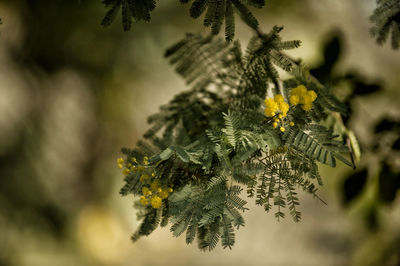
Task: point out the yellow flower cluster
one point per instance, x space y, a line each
132 167
277 104
274 105
300 95
154 194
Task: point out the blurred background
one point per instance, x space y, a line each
73 93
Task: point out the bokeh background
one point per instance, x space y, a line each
73 93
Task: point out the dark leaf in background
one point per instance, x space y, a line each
361 88
371 217
396 145
389 184
353 185
332 50
386 20
387 124
55 218
138 10
346 118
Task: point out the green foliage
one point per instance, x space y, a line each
219 10
386 18
212 140
136 9
265 51
216 13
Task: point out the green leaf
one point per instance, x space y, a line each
182 154
166 154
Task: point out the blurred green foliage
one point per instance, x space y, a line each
66 79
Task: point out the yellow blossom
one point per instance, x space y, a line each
143 200
274 125
279 98
276 119
306 107
270 107
276 104
312 95
153 174
143 177
163 194
282 129
120 166
291 124
170 190
299 90
126 171
120 160
134 160
284 107
300 95
146 191
294 99
154 185
156 202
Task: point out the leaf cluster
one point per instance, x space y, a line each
216 13
213 140
130 9
386 19
219 11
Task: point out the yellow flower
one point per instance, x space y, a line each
134 160
133 168
294 99
284 107
312 94
120 166
299 90
279 98
143 177
156 202
163 193
274 125
270 107
126 171
143 200
276 119
282 129
146 191
306 107
120 160
153 174
276 104
146 160
291 124
154 185
300 95
170 190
